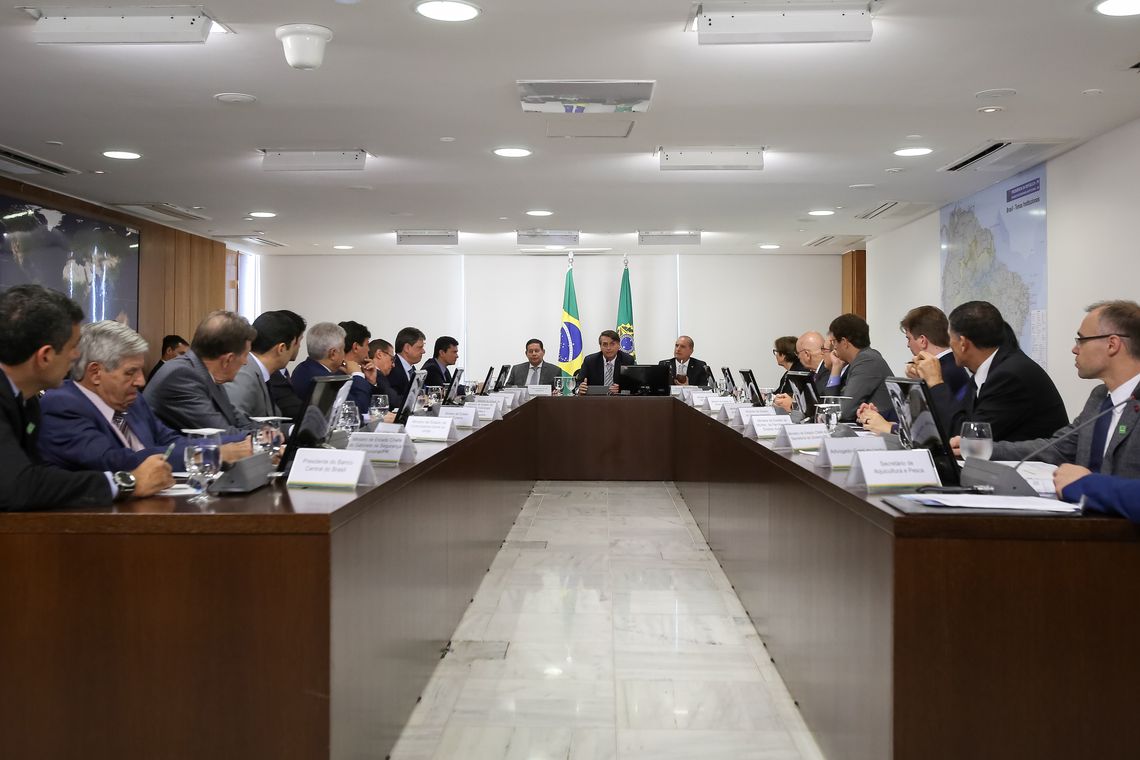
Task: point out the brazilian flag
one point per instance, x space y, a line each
625 315
570 346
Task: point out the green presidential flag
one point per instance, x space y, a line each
625 315
570 345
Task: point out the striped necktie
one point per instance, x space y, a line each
120 420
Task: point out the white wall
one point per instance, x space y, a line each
1092 251
733 306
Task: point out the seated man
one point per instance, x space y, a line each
357 364
864 369
276 341
409 351
815 354
445 355
1107 494
382 357
535 370
38 344
1007 388
1107 348
172 346
280 387
98 420
325 344
602 369
187 392
683 368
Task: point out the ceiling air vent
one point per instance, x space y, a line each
893 210
1006 155
162 212
14 162
835 241
584 96
252 239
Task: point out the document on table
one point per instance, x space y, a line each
1039 475
976 501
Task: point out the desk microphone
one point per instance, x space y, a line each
1078 428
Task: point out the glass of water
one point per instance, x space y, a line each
378 408
977 440
433 393
203 463
827 414
559 385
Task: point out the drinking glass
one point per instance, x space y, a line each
378 408
203 463
434 394
559 385
977 440
766 395
827 414
267 437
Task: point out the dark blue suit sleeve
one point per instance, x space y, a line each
1106 494
76 441
360 393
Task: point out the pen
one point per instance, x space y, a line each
168 452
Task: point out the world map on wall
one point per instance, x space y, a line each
994 249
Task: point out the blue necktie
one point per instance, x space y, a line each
1100 435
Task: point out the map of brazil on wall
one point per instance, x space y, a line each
993 249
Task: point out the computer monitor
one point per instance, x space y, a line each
729 383
312 427
486 389
644 379
452 387
804 397
504 373
753 389
919 427
414 390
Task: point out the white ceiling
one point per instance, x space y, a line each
394 83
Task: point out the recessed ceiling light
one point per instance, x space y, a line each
512 152
262 214
197 208
909 152
56 143
862 186
447 10
769 246
503 218
235 98
343 247
990 109
821 212
98 171
1093 91
895 170
538 212
997 92
447 139
122 155
1119 7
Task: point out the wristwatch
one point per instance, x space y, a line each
125 482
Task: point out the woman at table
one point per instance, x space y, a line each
787 359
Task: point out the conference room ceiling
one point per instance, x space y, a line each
395 84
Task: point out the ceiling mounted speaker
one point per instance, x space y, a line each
313 160
703 158
585 96
304 44
781 21
121 25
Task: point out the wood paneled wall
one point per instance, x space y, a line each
182 276
855 283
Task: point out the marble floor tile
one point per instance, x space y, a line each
438 701
706 745
648 548
555 601
579 532
595 559
661 579
559 704
710 664
417 743
503 743
533 627
640 632
594 744
549 577
569 661
696 705
565 509
671 602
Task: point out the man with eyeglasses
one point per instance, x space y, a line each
815 354
1107 348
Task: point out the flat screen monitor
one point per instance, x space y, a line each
486 387
415 388
312 428
803 393
729 383
452 387
753 389
501 380
919 427
644 379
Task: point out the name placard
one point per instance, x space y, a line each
769 426
730 412
430 429
717 402
701 399
676 390
388 427
801 437
893 470
539 390
837 453
507 400
466 416
330 468
383 448
748 412
489 410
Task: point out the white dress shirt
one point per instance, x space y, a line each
983 372
130 440
1119 396
682 367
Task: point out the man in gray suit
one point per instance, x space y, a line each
850 339
534 371
1107 348
270 352
187 391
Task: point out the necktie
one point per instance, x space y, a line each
1100 435
120 420
683 368
534 371
609 374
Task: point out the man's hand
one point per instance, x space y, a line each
369 370
865 410
351 367
782 400
582 387
615 389
152 476
1066 474
837 366
232 452
956 446
681 380
911 371
927 366
390 417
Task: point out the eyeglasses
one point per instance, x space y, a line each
1080 340
774 352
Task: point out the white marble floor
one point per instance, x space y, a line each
605 629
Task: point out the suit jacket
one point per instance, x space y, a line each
26 482
785 385
1121 458
1018 400
593 369
76 436
698 371
249 392
437 374
958 378
399 382
863 383
819 379
284 397
184 395
1106 493
303 375
155 370
546 374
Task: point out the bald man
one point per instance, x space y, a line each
815 354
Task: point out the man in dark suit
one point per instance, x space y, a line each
172 346
1007 388
602 369
683 368
38 343
187 392
280 388
98 420
927 331
383 357
409 351
535 370
276 342
445 355
1105 494
325 345
865 369
357 364
1107 348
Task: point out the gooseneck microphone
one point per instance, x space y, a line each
1090 421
